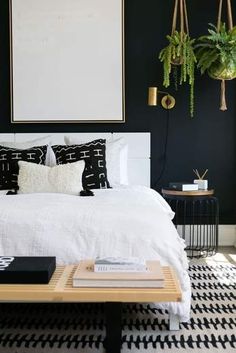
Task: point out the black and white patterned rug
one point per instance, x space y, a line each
58 328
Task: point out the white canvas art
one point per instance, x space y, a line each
67 60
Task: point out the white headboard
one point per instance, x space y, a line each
138 142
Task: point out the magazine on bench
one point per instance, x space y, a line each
119 264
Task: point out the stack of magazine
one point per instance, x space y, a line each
120 264
119 273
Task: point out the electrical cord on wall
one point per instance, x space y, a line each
164 152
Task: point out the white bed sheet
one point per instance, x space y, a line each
124 221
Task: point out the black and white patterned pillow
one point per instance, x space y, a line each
9 158
94 155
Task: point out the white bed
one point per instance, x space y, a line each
123 221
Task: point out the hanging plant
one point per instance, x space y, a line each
180 52
216 52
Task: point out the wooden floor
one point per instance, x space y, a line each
225 254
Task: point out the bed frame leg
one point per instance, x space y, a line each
173 322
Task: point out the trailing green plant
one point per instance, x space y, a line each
216 52
179 51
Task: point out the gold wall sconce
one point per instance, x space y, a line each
167 101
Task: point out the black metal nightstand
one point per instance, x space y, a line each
196 219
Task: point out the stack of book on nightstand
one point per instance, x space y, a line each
118 273
181 186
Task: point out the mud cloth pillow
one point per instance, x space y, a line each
116 158
9 158
94 155
41 141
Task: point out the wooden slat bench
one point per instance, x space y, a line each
60 289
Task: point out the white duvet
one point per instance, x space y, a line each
125 221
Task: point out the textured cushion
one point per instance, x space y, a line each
66 179
94 154
41 141
116 158
9 158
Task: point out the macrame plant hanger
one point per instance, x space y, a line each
223 105
180 5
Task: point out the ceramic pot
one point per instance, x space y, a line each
223 71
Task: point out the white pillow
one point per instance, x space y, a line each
41 141
38 178
116 159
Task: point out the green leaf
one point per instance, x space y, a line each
179 47
217 45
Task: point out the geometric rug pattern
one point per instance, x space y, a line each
70 328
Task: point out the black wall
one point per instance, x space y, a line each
206 141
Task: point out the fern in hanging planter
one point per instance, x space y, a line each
179 52
216 53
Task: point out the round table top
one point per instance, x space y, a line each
188 193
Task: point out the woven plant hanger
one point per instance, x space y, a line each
223 105
180 5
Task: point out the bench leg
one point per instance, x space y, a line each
173 322
113 313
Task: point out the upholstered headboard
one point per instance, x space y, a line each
138 142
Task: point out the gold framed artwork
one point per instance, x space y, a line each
67 61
